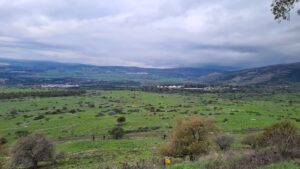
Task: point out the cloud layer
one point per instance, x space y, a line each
148 33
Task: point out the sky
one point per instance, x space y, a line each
148 33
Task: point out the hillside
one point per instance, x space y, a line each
16 72
37 72
275 74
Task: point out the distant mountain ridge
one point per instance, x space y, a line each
17 72
274 74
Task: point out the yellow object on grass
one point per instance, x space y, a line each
167 161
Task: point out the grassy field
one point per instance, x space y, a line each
71 121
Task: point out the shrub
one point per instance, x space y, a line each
190 137
30 150
250 140
283 136
22 133
1 163
61 155
73 111
117 132
39 117
100 114
254 160
121 120
3 140
224 141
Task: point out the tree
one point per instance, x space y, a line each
191 136
117 132
284 136
3 140
30 150
224 141
281 9
121 120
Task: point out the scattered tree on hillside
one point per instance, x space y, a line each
117 132
284 136
191 137
281 9
31 150
3 141
224 141
121 120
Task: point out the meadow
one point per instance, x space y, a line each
72 121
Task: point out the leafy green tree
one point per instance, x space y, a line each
281 9
121 120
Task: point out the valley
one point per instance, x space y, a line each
72 121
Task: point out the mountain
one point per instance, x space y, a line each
20 72
43 72
274 74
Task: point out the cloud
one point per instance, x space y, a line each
148 33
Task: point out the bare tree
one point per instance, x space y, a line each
30 150
224 141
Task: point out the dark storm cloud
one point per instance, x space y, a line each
148 33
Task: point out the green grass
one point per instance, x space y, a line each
195 165
284 165
241 111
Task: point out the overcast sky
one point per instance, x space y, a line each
148 33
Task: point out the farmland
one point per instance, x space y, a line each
72 121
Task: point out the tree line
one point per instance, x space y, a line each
51 93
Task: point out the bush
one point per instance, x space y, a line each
22 133
117 132
283 136
278 142
224 141
121 120
61 155
3 141
254 160
39 117
30 150
190 137
250 140
1 163
100 114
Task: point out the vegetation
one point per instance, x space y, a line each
278 142
121 120
283 136
250 140
224 141
52 93
281 8
31 150
3 141
190 137
117 132
72 121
